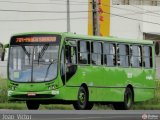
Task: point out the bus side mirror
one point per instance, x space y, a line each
2 52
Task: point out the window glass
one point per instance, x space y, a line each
123 55
97 53
71 54
147 56
109 50
83 52
39 61
83 46
105 52
136 56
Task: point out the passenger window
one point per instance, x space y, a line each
96 50
109 50
123 55
136 56
83 52
71 55
147 56
71 52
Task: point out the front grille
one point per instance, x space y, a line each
36 96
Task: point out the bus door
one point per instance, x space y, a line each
68 61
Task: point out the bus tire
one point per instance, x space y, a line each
128 101
82 103
32 105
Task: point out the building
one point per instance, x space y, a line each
137 2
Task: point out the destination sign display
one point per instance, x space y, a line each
34 39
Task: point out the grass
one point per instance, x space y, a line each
153 104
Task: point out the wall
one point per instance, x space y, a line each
134 29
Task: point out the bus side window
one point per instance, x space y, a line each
136 56
109 51
111 57
147 56
105 52
71 54
83 52
123 55
96 53
151 61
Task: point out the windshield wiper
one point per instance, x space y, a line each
40 55
45 47
26 52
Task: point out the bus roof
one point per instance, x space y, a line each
87 37
109 38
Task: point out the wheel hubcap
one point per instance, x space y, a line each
82 98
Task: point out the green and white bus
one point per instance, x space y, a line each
66 68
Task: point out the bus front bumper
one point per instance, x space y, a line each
41 95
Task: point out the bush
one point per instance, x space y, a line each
3 91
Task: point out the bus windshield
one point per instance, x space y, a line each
33 62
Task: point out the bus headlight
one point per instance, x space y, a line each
51 87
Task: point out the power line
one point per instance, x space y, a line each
132 18
23 2
73 12
40 3
125 9
32 11
78 18
65 12
26 11
82 18
146 10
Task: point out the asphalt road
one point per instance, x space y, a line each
78 115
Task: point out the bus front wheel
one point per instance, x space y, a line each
82 103
32 105
128 101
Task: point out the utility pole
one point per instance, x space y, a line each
95 19
68 16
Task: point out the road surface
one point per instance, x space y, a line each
79 115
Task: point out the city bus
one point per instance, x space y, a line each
66 68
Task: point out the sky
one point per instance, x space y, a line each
41 16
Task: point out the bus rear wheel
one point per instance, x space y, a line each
128 101
32 105
82 103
